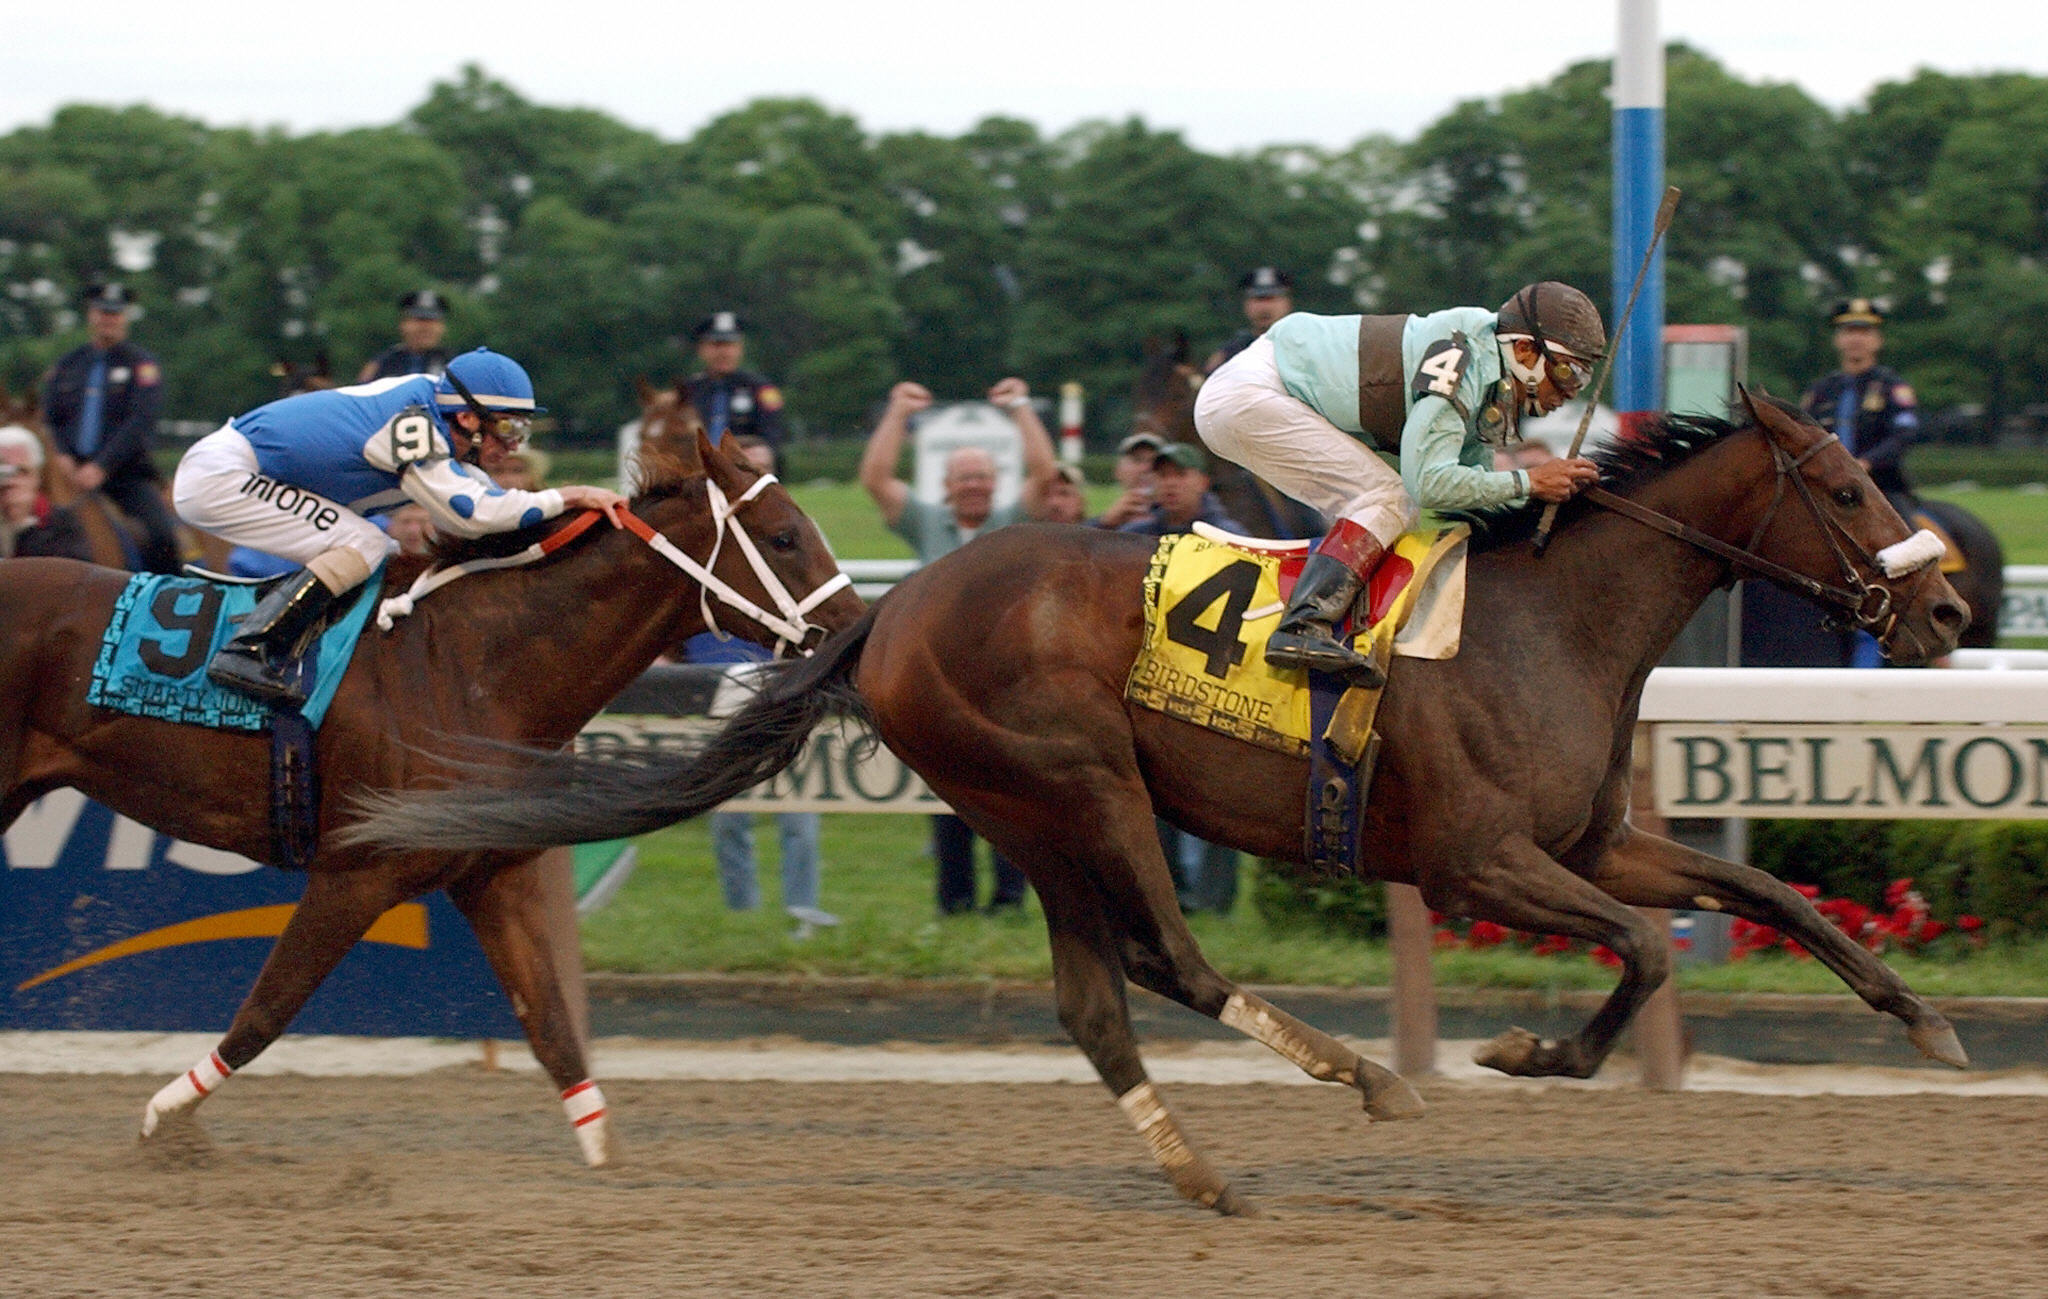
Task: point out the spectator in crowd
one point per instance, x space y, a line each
422 324
1134 456
29 526
1181 495
936 530
732 833
412 528
525 469
1065 498
1268 295
1204 874
731 399
100 403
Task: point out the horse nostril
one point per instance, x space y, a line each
1951 615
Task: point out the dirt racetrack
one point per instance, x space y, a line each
462 1182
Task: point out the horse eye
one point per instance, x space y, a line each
784 540
1849 497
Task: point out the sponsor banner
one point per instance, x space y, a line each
2024 612
1863 771
106 924
836 773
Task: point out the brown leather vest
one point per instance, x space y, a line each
1382 386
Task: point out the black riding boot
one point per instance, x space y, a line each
262 659
1307 636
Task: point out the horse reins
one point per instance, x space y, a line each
789 624
1854 599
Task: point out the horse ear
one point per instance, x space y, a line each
643 390
673 453
1180 346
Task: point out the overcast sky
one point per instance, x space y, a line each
1229 75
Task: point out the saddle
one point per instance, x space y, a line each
1211 600
152 663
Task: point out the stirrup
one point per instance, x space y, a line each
1323 653
249 675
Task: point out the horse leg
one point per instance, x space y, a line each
1523 888
1089 983
1165 959
507 909
1647 871
336 910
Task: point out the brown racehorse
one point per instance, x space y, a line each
998 674
523 654
114 540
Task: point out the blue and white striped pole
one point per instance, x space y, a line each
1638 188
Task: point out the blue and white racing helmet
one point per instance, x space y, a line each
499 384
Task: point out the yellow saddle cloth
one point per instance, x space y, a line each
1212 600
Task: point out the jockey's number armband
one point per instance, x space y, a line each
1442 368
412 437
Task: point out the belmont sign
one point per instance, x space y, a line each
1775 770
837 772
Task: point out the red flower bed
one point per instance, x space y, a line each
1904 925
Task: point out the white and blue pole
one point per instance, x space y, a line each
1638 189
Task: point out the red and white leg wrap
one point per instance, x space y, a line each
584 1104
185 1091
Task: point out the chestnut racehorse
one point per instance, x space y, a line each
998 674
525 654
114 539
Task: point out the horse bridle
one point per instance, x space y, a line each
788 622
1858 602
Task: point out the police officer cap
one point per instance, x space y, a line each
719 327
1857 311
423 304
111 296
1266 282
496 381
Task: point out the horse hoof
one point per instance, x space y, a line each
1937 1040
1232 1205
1511 1052
1388 1096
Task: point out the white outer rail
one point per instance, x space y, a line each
1843 695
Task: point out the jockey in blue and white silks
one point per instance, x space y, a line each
296 477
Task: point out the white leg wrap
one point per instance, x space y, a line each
1141 1105
1256 1024
185 1091
584 1104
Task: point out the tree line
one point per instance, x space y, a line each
587 247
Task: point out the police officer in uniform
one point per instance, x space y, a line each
1868 405
1268 295
100 403
422 323
730 399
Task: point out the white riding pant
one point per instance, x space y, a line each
1247 416
219 489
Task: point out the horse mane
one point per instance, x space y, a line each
1652 449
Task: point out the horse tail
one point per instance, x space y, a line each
566 797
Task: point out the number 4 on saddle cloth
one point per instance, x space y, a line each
1211 601
152 663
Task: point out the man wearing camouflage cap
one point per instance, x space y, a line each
1308 404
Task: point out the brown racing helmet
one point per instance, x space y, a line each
1555 315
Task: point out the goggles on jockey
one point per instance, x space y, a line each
1569 374
510 432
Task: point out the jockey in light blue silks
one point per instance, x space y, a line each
1440 391
296 477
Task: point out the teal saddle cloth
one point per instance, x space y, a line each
166 628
